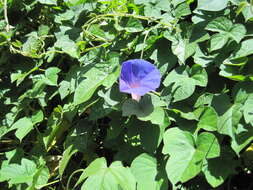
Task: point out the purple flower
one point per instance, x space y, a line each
138 77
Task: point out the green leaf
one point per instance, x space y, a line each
218 169
245 7
37 117
183 88
183 49
95 166
23 126
112 78
143 108
151 143
74 2
204 99
99 110
56 126
247 109
208 144
179 84
183 44
77 140
51 76
20 76
201 58
244 49
163 57
25 172
247 11
229 114
84 91
33 45
133 25
20 173
66 156
226 30
64 89
237 32
182 9
208 119
144 1
177 2
22 132
107 178
111 96
199 74
218 41
243 137
212 5
242 91
149 108
220 24
101 34
152 11
144 168
156 117
186 155
48 2
67 45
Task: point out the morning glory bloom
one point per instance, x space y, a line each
138 77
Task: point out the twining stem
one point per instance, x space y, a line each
6 16
101 45
145 38
50 183
144 42
77 171
151 19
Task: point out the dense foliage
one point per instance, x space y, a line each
64 124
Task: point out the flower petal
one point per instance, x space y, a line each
126 72
152 80
141 68
139 91
139 77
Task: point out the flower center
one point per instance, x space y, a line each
134 85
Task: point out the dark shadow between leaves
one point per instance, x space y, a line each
246 87
223 166
198 31
168 93
221 103
143 108
245 135
17 156
161 175
73 33
146 106
150 142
